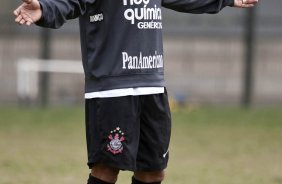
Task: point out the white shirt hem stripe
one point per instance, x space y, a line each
125 92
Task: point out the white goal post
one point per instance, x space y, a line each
28 74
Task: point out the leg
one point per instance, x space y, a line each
148 177
102 174
105 173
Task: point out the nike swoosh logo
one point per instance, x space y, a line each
164 155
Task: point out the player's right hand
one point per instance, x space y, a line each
245 3
28 12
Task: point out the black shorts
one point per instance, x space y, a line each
129 133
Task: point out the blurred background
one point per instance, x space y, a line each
215 66
206 58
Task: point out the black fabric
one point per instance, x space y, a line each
135 181
129 133
94 180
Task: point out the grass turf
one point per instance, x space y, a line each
214 145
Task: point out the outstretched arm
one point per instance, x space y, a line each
205 6
50 13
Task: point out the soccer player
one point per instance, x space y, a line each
128 119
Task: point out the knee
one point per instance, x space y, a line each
149 177
105 173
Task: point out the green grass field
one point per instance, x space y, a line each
211 145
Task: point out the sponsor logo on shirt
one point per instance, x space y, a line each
142 61
139 13
97 18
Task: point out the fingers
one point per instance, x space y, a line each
22 22
27 19
22 19
245 3
18 18
16 12
28 12
250 1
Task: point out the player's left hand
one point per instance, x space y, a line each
245 3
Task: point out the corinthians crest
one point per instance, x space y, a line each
115 145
